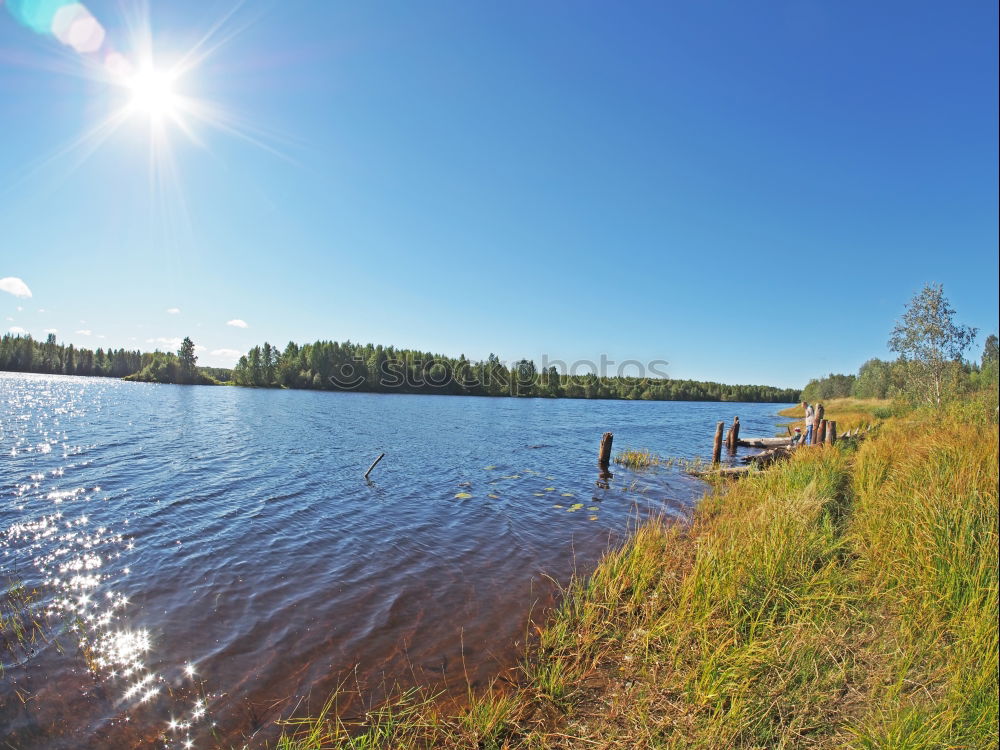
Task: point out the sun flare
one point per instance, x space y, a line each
153 93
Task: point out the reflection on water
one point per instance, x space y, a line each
205 560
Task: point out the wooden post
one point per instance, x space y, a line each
821 437
717 446
604 454
817 421
831 432
733 436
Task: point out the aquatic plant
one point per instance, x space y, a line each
21 623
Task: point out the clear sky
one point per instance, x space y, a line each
750 191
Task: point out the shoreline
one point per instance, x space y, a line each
432 392
668 643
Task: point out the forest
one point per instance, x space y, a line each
329 365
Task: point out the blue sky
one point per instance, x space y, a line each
751 192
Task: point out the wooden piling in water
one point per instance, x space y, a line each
831 432
733 436
604 453
717 445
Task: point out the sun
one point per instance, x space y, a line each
153 93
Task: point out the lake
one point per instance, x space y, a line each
211 559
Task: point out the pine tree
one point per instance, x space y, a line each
187 360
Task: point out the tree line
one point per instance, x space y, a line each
25 354
22 353
346 366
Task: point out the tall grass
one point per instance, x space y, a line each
844 598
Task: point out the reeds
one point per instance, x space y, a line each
21 623
639 460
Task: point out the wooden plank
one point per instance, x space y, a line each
764 442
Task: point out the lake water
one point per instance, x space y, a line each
211 559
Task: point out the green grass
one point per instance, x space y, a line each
844 598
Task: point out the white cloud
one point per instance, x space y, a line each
10 319
237 323
15 286
52 330
41 309
173 311
85 332
232 353
173 343
17 331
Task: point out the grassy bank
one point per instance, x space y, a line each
850 413
845 598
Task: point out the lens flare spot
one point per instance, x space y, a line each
76 27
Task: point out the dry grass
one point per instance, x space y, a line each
851 413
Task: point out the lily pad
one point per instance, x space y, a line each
463 495
495 497
576 506
550 489
593 518
557 506
567 494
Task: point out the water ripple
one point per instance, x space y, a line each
205 559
